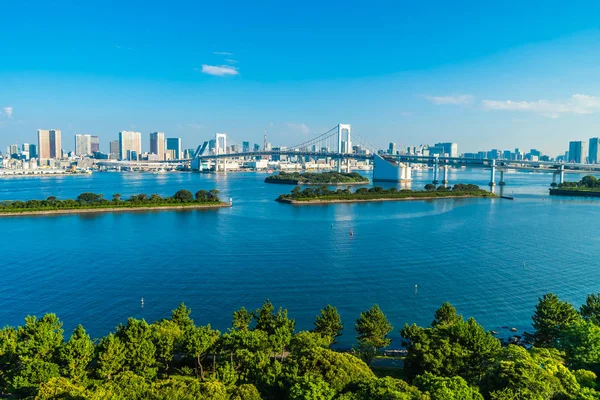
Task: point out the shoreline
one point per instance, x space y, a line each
114 209
574 193
334 201
296 183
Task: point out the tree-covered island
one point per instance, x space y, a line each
323 178
588 186
262 356
323 194
94 202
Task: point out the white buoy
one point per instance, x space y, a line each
142 302
416 289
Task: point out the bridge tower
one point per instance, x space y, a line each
344 146
493 175
220 149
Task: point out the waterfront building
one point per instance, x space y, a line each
113 149
13 149
246 147
33 151
594 151
256 147
157 144
49 145
174 144
95 144
130 145
451 149
577 152
83 145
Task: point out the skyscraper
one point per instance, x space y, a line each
95 144
114 149
33 151
157 144
83 145
392 149
174 144
49 144
245 147
449 148
130 145
577 152
594 151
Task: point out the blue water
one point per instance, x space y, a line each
94 269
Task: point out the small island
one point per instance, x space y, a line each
323 178
323 195
95 203
588 186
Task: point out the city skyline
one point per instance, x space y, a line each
399 78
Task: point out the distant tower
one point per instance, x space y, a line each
265 141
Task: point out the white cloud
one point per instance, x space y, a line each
231 61
453 100
219 70
299 128
578 104
8 111
222 53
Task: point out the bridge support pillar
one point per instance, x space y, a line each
562 174
502 183
493 174
445 179
435 170
339 165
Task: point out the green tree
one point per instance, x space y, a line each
329 324
136 335
76 355
373 328
581 344
551 316
382 389
590 311
311 387
245 392
116 197
446 315
87 198
111 356
201 195
165 335
198 342
183 196
241 319
181 316
441 388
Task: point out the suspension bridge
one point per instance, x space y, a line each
338 146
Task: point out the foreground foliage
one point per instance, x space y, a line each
94 200
262 357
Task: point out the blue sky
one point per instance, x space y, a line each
515 74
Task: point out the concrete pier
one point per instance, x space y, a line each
445 179
493 174
435 170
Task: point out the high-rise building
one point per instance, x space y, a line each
130 145
49 144
83 145
594 151
256 147
95 144
33 151
13 149
392 149
157 144
174 144
114 150
449 148
245 147
577 152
